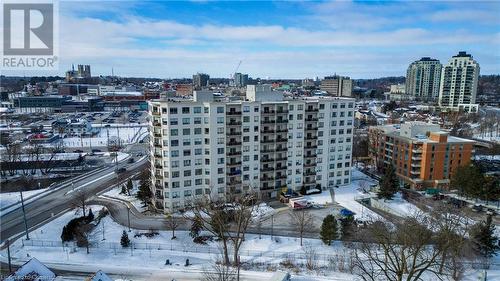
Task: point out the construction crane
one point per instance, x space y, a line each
236 69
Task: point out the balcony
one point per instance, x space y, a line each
232 164
233 153
313 146
268 150
311 119
312 155
282 121
267 121
280 168
266 160
233 173
157 113
234 133
267 141
312 109
233 113
267 169
157 124
280 159
158 155
233 123
157 144
282 131
232 143
157 135
311 128
283 148
267 112
267 131
312 164
417 164
234 182
311 137
158 166
281 140
281 177
282 111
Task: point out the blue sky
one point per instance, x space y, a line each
282 39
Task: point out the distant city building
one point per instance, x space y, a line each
308 82
337 86
184 89
459 81
240 80
398 93
83 72
422 155
265 144
200 80
423 78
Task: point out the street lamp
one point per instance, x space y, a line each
24 216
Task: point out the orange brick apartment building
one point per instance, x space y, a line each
422 154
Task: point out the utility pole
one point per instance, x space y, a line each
24 216
272 226
128 217
8 255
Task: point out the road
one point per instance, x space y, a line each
62 197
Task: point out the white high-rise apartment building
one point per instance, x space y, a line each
423 78
265 144
459 80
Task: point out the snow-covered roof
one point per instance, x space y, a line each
32 270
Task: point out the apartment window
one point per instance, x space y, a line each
197 109
300 107
290 107
322 106
246 119
174 143
187 173
197 120
186 152
206 110
198 182
185 110
186 142
220 160
256 118
174 132
290 117
220 130
174 153
246 158
198 172
173 110
220 180
246 108
220 150
220 109
220 171
186 132
256 109
186 121
220 120
187 183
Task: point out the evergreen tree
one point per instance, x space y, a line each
130 186
388 184
124 190
347 226
196 228
90 216
66 235
144 193
328 230
483 238
468 180
125 241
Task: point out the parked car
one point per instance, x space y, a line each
477 208
131 160
121 170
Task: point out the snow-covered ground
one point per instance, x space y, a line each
493 136
127 135
397 206
132 198
150 254
262 211
9 198
322 198
346 195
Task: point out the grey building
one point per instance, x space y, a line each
200 80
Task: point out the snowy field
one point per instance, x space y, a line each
127 135
346 195
9 198
323 198
150 254
397 206
115 193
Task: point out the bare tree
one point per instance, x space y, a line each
219 271
400 251
302 221
227 219
81 198
172 224
311 257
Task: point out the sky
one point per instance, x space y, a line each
280 39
